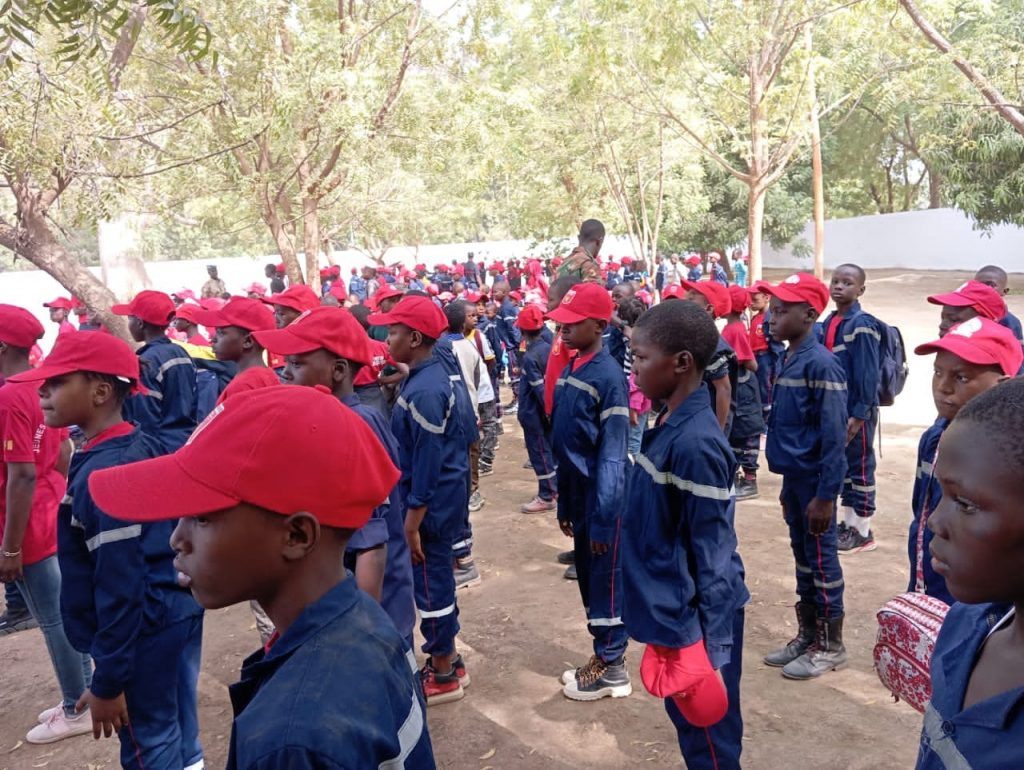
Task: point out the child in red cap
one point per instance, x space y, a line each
969 300
748 420
60 308
720 374
590 430
807 446
334 688
996 277
236 342
120 599
291 303
683 579
531 415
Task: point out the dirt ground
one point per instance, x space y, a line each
524 624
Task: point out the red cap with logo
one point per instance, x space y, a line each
86 352
975 294
271 449
416 312
530 318
249 314
385 292
331 328
673 291
980 341
153 307
18 327
739 299
298 297
800 287
716 295
61 303
584 300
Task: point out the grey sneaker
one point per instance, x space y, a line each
12 622
567 557
855 542
570 573
476 502
466 575
486 469
826 654
598 679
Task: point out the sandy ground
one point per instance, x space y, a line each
524 624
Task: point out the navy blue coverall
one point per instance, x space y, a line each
533 418
925 499
168 411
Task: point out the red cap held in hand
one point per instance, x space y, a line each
686 676
61 303
86 352
980 341
530 318
584 300
416 312
18 327
801 287
331 328
271 449
249 314
153 307
985 300
299 297
716 295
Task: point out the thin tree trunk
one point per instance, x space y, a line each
758 161
817 182
755 226
311 241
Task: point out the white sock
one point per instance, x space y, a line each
849 517
862 524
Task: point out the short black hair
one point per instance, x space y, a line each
1000 412
630 311
121 386
591 230
855 268
995 270
626 284
361 313
674 327
455 312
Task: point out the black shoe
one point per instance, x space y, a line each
746 489
570 573
567 557
11 623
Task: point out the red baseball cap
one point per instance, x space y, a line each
153 307
249 314
19 327
980 341
86 352
496 267
693 260
272 449
758 287
255 288
739 298
530 318
187 311
716 295
416 312
515 296
626 260
298 297
386 292
474 296
983 298
584 300
686 676
556 261
331 328
280 268
673 291
800 287
61 303
613 265
184 294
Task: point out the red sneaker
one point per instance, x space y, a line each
440 688
460 670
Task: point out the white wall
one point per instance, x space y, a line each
934 239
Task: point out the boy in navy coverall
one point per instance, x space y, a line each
531 414
995 277
435 484
854 337
682 577
335 686
120 598
807 446
590 430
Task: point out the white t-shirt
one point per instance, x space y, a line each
469 363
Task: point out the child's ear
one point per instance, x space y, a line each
863 288
684 361
302 533
247 342
340 370
415 339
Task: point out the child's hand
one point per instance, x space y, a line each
10 568
598 549
819 516
412 537
566 527
853 426
108 714
634 418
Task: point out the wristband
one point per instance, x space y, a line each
11 554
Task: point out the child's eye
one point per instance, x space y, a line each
200 520
965 505
963 379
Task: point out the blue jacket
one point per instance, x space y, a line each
590 431
856 347
533 363
718 274
682 577
507 331
1011 322
926 496
433 451
990 734
776 347
723 364
336 690
695 273
387 525
615 343
118 581
749 418
357 286
807 424
168 412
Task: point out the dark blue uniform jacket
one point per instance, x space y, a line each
856 347
168 412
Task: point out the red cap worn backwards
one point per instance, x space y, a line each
416 312
800 287
249 314
18 327
716 295
62 303
983 298
584 300
530 318
86 352
331 328
153 307
271 449
980 341
298 297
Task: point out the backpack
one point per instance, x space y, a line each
892 364
908 626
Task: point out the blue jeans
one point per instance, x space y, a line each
40 586
14 604
636 433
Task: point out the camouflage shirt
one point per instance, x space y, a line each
580 266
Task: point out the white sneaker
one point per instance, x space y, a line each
60 726
44 716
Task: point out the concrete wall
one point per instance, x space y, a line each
934 239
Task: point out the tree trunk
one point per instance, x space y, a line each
817 182
758 163
755 227
120 250
311 241
934 188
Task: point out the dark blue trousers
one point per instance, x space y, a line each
538 447
747 451
765 377
434 591
819 577
163 728
600 583
859 487
717 747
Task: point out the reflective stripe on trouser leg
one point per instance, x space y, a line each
819 574
462 547
859 487
600 583
434 590
717 747
747 451
538 447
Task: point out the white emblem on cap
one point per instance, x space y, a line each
967 328
792 279
569 295
202 426
961 288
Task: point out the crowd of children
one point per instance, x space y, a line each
140 488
